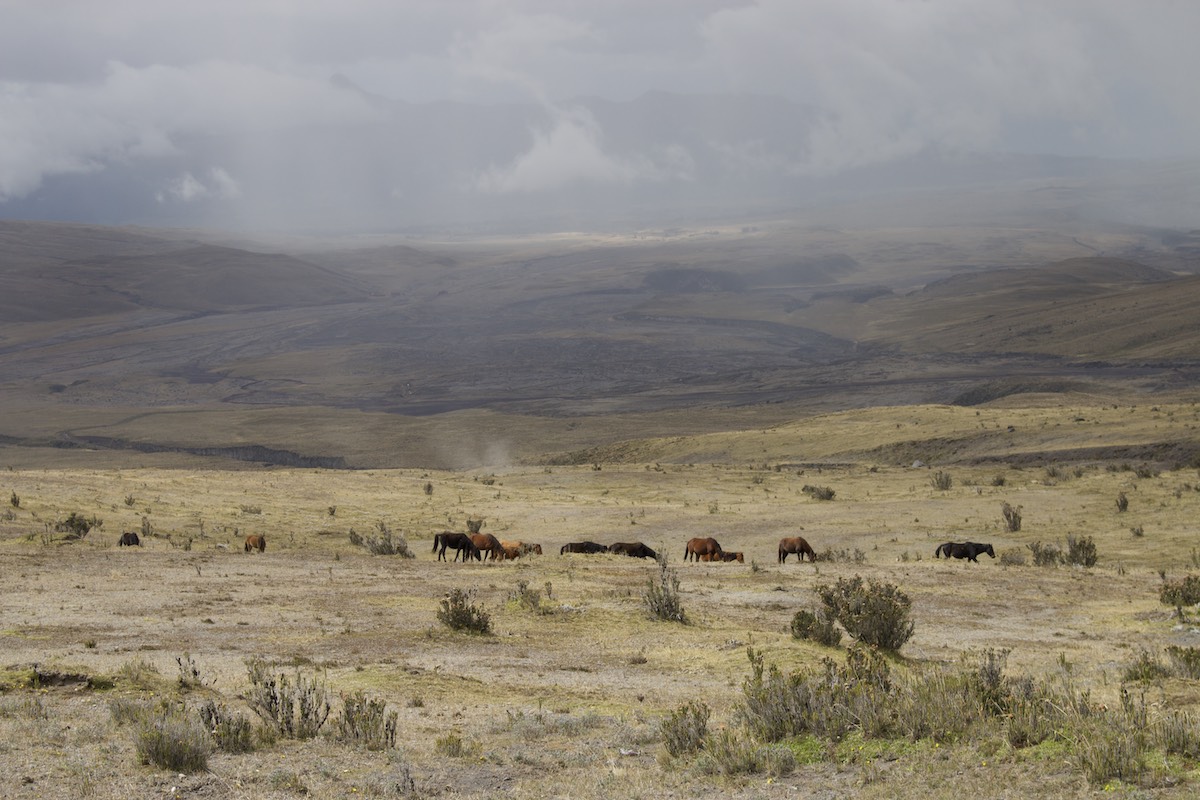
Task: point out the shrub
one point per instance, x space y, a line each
1180 593
1081 551
1012 517
1122 502
730 753
1185 661
385 544
684 730
1012 558
999 480
130 500
662 593
231 732
1145 668
818 492
295 708
14 501
366 722
528 599
451 745
474 525
941 481
76 526
874 613
458 612
819 628
172 741
1045 555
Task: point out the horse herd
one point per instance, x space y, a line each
473 545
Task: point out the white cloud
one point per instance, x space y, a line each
187 187
570 152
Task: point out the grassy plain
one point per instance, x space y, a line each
567 703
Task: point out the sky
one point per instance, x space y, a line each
89 87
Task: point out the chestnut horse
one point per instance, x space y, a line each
485 541
460 542
797 545
256 541
703 550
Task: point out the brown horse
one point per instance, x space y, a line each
733 557
129 539
509 552
460 542
256 541
797 545
485 541
702 550
632 549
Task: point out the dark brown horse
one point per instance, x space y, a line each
632 549
256 541
485 541
702 550
797 545
129 539
967 550
583 547
738 557
459 542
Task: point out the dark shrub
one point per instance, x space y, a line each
459 612
816 628
874 613
683 730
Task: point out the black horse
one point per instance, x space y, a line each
967 550
632 549
583 547
459 542
129 539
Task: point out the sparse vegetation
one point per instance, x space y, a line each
941 481
295 708
819 492
366 722
383 542
14 501
171 740
1122 502
1012 517
458 612
662 593
685 729
1081 550
76 526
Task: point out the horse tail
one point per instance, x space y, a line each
437 539
938 552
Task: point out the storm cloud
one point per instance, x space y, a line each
247 107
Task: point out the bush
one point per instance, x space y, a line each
76 526
1145 668
1012 517
385 544
1081 551
172 741
295 708
366 722
941 481
1180 593
1122 502
818 492
874 613
1185 661
231 732
14 501
662 593
1012 558
1045 555
529 599
816 628
684 730
458 612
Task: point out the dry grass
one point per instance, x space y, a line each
360 623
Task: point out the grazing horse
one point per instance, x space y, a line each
583 547
460 542
485 541
632 549
255 541
702 550
509 552
797 545
733 557
967 550
129 539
